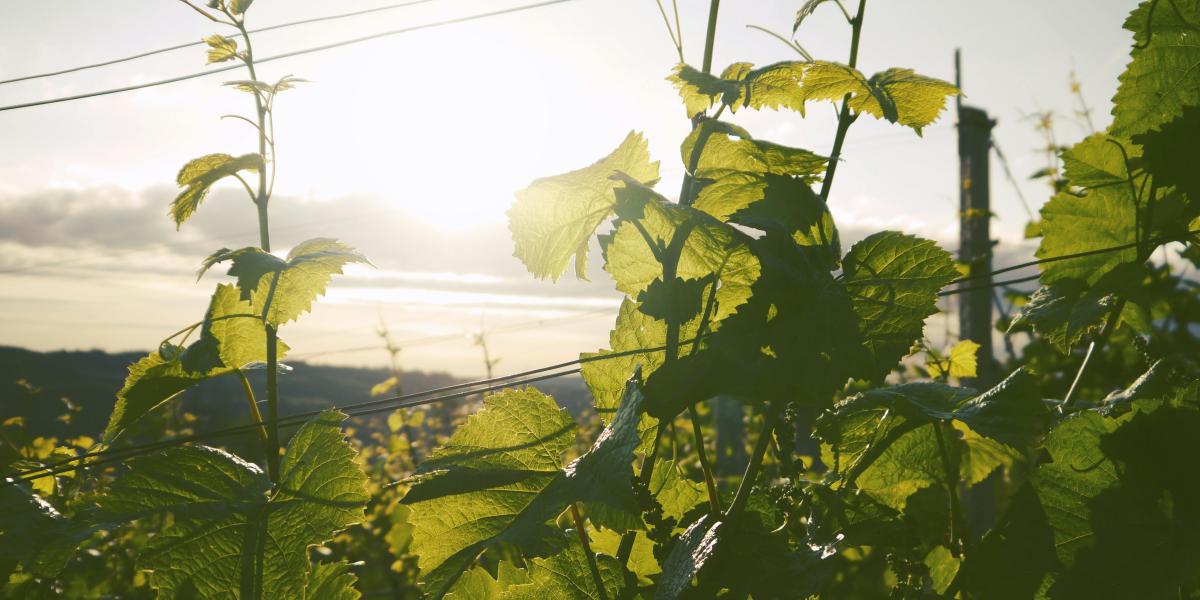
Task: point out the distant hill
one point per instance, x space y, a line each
34 385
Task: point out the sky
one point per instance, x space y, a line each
410 148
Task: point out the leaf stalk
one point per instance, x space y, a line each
845 119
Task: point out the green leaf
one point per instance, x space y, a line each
886 441
634 330
943 568
282 290
264 89
331 581
898 95
741 85
804 12
675 493
34 534
250 86
1169 150
678 301
725 148
959 362
692 550
1098 161
475 584
603 477
500 479
710 250
741 554
220 48
1103 218
238 7
786 205
566 575
797 336
753 560
699 90
893 280
553 219
234 534
1161 77
1064 313
199 175
642 562
232 337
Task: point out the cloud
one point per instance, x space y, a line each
100 232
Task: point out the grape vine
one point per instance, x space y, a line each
870 473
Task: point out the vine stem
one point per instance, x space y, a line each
258 418
1145 248
587 551
957 523
685 198
625 548
845 119
756 460
714 501
671 256
264 235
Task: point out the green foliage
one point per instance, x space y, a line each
960 361
508 458
33 534
740 288
221 48
1160 79
741 86
565 574
232 337
282 290
554 217
898 95
892 280
893 442
199 175
235 533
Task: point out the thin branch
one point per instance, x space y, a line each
714 502
206 14
254 412
793 44
771 419
667 22
587 551
845 119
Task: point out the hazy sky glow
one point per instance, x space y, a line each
410 149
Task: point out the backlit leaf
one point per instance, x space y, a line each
221 48
199 175
1098 161
887 440
234 534
500 479
893 280
1161 77
711 250
741 85
230 339
282 290
566 575
898 95
554 217
959 362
